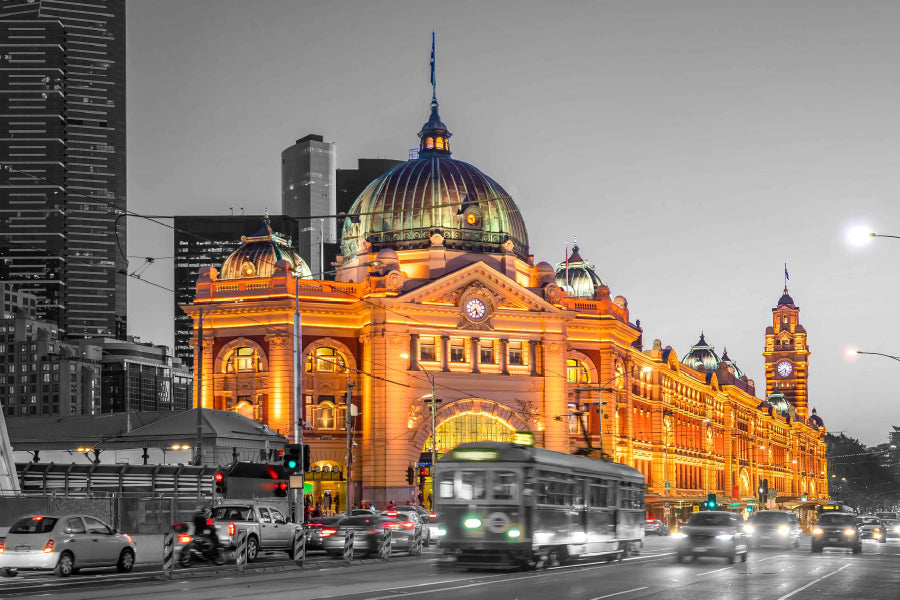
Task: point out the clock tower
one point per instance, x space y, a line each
787 355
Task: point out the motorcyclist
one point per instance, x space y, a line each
204 528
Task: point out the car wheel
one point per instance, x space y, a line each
6 572
126 561
252 549
732 557
65 566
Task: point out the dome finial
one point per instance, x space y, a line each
434 138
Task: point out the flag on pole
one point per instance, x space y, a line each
432 58
786 276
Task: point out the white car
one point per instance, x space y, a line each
64 544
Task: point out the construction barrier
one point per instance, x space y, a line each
415 546
300 546
241 551
169 554
384 548
349 538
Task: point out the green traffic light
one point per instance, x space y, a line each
292 464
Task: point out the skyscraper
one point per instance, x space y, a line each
62 146
308 190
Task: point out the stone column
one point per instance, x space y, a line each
533 356
556 435
475 349
414 352
503 358
445 353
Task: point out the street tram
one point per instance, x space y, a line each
501 504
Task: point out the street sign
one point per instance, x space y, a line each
296 482
695 508
667 505
734 504
668 485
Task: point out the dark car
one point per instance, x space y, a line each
368 532
319 528
416 514
655 527
712 533
837 529
871 528
775 528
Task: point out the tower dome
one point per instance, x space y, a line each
701 356
258 254
434 194
576 276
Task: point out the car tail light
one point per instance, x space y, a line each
314 524
48 547
210 522
392 525
328 532
2 546
391 513
232 529
37 518
184 539
408 525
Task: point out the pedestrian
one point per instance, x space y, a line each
317 512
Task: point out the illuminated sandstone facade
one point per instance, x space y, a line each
436 290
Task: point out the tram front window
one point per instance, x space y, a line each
472 485
505 486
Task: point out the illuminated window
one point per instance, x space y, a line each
429 143
245 409
325 416
426 349
458 351
576 372
326 360
515 354
242 360
439 143
486 352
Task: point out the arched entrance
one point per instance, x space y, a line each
471 420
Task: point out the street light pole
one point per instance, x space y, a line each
897 358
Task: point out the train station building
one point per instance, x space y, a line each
436 295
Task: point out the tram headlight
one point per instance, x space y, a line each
513 533
472 523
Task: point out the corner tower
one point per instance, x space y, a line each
787 355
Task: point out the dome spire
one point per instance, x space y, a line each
434 138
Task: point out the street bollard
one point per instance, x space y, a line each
241 556
384 551
415 548
349 537
169 554
300 546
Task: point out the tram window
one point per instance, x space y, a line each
505 486
445 486
599 496
472 485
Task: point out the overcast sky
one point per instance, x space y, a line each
692 147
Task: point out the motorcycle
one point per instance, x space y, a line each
196 547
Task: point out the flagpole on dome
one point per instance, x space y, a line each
433 76
786 277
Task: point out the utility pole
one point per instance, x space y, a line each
199 443
297 498
348 412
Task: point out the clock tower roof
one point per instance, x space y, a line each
786 300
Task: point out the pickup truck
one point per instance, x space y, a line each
266 527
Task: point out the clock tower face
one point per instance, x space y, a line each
784 368
475 309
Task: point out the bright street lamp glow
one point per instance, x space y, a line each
859 235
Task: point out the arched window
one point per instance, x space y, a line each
325 416
439 143
246 409
576 372
325 360
242 360
429 143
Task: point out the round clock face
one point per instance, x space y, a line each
784 368
475 309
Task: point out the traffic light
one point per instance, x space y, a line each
292 459
763 491
410 475
423 473
219 478
711 502
281 489
305 461
749 508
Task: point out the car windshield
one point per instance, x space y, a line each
36 524
710 519
870 521
770 517
231 513
837 519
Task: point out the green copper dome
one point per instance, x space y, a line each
258 254
434 194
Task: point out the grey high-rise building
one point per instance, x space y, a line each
62 146
206 241
307 191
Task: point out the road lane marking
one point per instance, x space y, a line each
771 558
798 590
716 571
620 593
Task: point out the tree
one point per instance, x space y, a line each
857 476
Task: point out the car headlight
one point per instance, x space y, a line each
725 536
784 530
817 531
897 529
849 532
748 528
678 535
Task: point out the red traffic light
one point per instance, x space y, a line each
219 477
283 485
